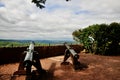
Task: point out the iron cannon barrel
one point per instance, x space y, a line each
69 52
72 51
29 54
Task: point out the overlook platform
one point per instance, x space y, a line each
99 68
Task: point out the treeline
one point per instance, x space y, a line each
101 39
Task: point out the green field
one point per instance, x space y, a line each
24 43
19 44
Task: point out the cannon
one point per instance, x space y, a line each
69 52
29 58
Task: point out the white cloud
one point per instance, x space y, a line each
21 19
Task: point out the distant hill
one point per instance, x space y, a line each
39 41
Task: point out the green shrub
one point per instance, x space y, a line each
107 38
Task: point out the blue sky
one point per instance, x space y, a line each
21 19
2 5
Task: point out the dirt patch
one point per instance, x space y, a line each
99 68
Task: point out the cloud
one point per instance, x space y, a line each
21 19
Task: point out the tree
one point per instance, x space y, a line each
41 3
114 38
107 38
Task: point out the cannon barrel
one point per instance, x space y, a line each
29 53
72 51
69 52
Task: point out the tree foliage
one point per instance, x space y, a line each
41 3
106 38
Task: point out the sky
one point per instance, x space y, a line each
21 19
